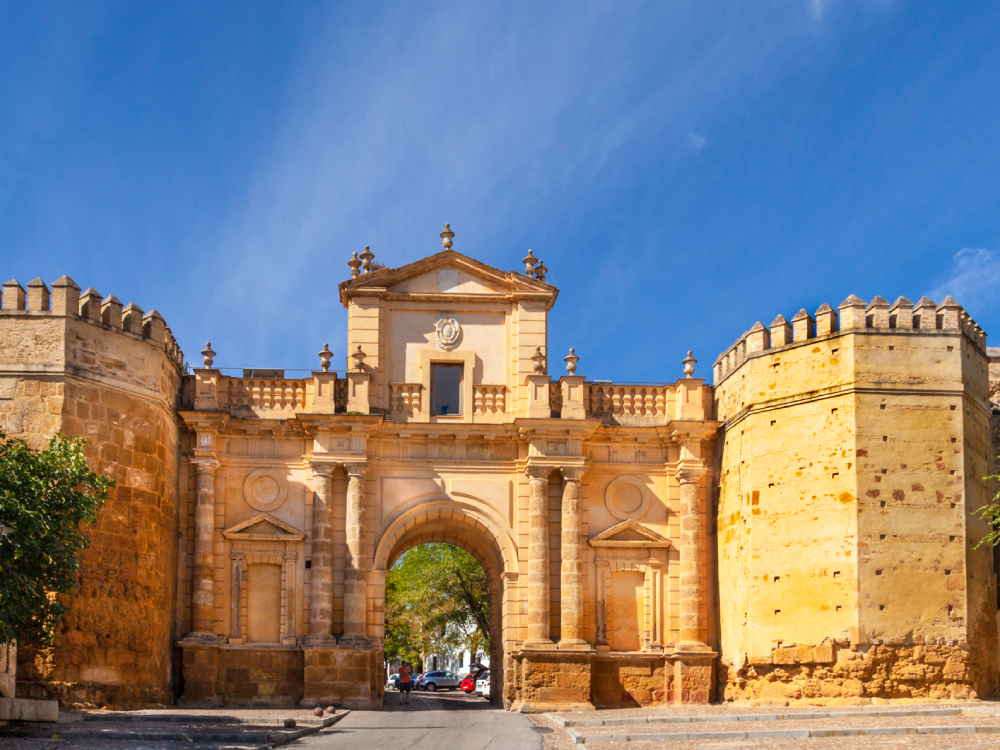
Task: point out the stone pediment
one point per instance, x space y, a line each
264 526
629 534
448 272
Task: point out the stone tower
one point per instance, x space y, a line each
855 443
81 365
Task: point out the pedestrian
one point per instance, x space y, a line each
404 685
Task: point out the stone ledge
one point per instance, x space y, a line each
25 709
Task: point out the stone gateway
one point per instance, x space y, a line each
801 530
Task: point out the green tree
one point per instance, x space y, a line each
436 597
45 496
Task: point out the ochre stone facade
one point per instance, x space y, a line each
803 530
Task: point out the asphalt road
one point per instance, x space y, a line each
438 721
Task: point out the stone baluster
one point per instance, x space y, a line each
571 594
690 560
355 593
538 560
203 583
321 580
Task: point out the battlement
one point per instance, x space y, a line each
853 315
65 299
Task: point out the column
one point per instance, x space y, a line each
321 572
355 593
571 593
203 581
690 563
538 559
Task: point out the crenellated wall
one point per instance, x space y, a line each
854 445
75 363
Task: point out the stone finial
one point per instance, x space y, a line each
13 295
689 362
359 359
540 271
355 265
826 320
901 314
207 355
131 318
111 311
65 296
366 259
925 313
803 326
324 358
90 304
950 310
447 236
539 359
571 361
878 313
852 313
529 264
781 331
38 296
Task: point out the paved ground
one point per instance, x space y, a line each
435 721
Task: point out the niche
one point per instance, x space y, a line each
627 600
264 604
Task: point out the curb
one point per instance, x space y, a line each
292 736
269 740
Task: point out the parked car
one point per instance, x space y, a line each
393 682
468 683
439 680
415 681
483 685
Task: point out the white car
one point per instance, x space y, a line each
483 686
391 682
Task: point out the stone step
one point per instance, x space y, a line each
805 716
581 739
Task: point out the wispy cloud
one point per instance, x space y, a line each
973 279
697 141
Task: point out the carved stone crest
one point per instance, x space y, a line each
446 333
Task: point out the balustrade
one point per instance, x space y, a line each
266 394
489 399
406 397
609 400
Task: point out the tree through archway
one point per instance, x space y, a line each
437 607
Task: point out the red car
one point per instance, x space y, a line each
468 684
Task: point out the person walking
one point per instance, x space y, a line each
404 685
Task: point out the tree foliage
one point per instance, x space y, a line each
436 598
991 514
45 496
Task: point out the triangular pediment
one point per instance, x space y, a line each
629 534
448 272
263 525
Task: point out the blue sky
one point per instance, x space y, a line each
684 169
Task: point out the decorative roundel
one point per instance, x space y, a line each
446 333
265 490
627 498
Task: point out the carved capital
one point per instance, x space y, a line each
356 469
538 472
572 473
690 474
204 464
322 468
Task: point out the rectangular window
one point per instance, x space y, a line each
446 389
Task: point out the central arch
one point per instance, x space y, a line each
468 525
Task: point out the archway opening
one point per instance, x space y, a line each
438 614
445 521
